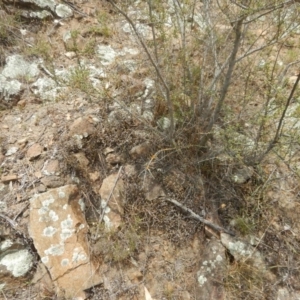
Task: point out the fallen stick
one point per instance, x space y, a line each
197 217
10 221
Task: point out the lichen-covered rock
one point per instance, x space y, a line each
58 229
211 272
16 66
15 259
112 201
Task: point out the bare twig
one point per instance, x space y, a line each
20 212
277 135
197 217
10 221
231 64
153 63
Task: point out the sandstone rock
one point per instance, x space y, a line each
42 279
108 150
58 229
112 200
82 160
51 167
134 275
113 159
82 127
211 272
41 188
70 54
141 150
130 170
10 177
94 176
34 151
152 189
52 181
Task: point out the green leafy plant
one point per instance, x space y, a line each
79 79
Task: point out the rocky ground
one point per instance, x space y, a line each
96 203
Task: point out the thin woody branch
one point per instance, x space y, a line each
198 218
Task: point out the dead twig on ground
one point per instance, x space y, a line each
197 217
10 221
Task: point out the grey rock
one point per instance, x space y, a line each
241 175
16 67
43 3
107 54
63 11
15 259
44 14
211 272
9 88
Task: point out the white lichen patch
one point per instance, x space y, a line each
64 262
202 279
68 223
107 222
66 233
48 201
81 204
78 255
16 67
5 244
106 53
105 206
43 210
63 11
61 194
207 269
49 231
18 263
67 228
55 250
81 227
238 247
53 215
219 258
65 206
45 259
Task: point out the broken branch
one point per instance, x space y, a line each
197 217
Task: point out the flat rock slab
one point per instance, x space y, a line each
58 229
211 272
112 200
